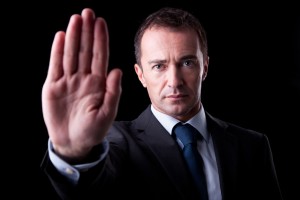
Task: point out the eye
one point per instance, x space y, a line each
188 63
158 67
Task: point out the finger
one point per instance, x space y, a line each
86 44
113 93
55 70
72 41
100 48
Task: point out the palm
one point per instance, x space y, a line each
79 100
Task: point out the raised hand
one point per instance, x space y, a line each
79 99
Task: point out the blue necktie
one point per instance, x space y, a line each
187 134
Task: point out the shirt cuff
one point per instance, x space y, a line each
72 172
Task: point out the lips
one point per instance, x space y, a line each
176 96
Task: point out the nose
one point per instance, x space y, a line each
174 77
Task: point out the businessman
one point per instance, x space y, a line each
92 156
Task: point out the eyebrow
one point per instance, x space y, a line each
188 57
156 61
164 61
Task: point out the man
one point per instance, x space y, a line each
91 156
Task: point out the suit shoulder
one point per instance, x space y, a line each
235 129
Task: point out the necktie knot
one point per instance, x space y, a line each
186 133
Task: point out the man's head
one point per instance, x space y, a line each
172 61
172 18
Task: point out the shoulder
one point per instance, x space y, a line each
244 139
234 130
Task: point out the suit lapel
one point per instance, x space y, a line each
164 149
226 150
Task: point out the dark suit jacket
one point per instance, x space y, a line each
145 162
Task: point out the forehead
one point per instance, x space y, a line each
167 33
159 40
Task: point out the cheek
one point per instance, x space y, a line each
194 83
155 85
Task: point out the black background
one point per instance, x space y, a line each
253 78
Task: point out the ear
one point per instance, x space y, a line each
205 68
139 73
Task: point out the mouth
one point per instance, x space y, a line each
176 97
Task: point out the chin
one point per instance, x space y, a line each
177 110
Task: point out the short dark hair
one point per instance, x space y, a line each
170 18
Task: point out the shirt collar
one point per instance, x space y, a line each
198 121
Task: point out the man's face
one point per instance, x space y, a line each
172 70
